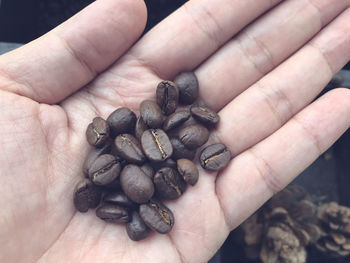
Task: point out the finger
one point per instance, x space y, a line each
62 61
188 36
262 46
267 105
258 173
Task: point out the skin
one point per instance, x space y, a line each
265 78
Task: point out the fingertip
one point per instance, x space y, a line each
135 8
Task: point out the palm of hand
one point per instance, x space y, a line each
43 163
44 147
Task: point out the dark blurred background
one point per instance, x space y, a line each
22 21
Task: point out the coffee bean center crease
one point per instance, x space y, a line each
155 136
162 213
104 169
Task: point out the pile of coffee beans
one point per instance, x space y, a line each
138 161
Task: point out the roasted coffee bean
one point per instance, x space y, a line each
215 157
157 216
156 145
148 170
136 228
167 163
115 185
129 148
176 119
174 133
194 136
136 184
121 121
97 132
86 195
188 87
140 127
188 170
205 115
167 96
104 170
151 114
113 213
122 161
168 183
180 150
93 155
118 198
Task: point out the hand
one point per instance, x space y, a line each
261 81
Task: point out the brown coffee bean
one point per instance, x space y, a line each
205 115
156 145
140 127
194 136
114 185
176 119
86 195
180 150
168 183
188 170
129 149
167 96
113 213
136 184
121 121
136 228
118 198
167 163
188 87
157 216
104 170
97 132
93 155
174 133
148 170
151 114
215 157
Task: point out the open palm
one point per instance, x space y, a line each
261 81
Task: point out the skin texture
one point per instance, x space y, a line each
44 117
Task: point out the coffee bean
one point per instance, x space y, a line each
188 170
114 185
168 183
148 170
194 136
136 184
136 228
205 115
188 87
86 195
118 198
93 155
151 114
156 145
176 119
104 170
180 150
167 96
157 216
113 213
140 127
97 132
120 121
167 163
129 148
174 133
215 157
